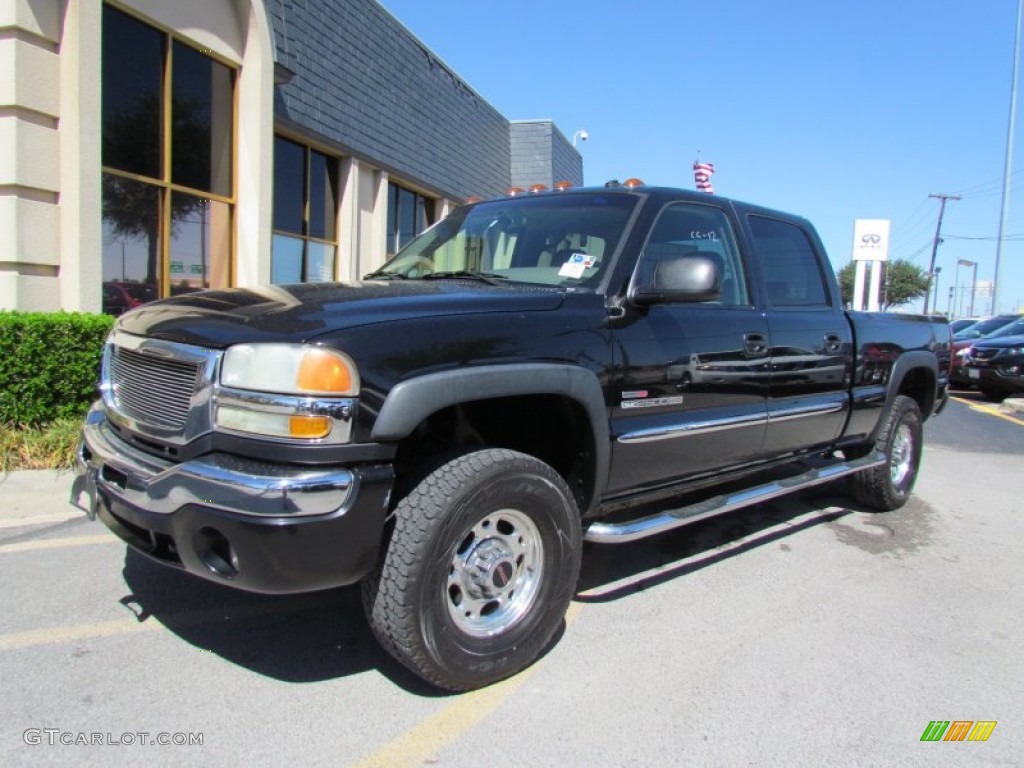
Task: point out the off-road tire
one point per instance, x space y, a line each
888 486
479 570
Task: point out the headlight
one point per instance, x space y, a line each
294 369
292 391
964 352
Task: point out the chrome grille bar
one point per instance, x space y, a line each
151 389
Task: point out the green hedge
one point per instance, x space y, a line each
49 364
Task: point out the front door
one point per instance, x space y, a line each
692 377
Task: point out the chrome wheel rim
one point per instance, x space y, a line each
901 455
495 573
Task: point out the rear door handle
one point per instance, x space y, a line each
755 345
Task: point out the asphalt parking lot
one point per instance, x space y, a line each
803 632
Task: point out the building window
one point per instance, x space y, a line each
409 213
168 165
305 214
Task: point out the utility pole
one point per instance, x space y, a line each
935 246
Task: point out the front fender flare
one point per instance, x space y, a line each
413 400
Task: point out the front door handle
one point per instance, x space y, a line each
755 344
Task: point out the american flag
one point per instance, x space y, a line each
702 175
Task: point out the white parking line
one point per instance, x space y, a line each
61 517
70 541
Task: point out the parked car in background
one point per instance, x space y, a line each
119 297
962 341
963 323
996 365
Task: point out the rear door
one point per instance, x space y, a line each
811 338
692 377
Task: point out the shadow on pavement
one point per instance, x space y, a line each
303 638
322 636
613 571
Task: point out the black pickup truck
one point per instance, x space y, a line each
531 373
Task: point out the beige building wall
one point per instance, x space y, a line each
50 140
51 232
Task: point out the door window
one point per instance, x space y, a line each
688 229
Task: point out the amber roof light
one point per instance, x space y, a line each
562 186
634 182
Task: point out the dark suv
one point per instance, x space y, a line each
1000 325
997 366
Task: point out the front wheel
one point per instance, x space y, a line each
479 570
888 486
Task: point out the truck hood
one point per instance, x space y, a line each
299 313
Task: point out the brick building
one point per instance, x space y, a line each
152 147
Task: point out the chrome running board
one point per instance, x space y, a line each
619 533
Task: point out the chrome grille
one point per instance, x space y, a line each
152 389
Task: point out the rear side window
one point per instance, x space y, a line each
791 269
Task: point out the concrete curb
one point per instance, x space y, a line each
33 496
1012 405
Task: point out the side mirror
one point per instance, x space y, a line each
679 279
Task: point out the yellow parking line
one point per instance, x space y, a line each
54 635
422 743
991 410
70 541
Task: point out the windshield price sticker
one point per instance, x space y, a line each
576 264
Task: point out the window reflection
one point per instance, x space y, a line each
286 265
305 213
409 214
200 244
289 185
131 239
201 111
133 56
158 239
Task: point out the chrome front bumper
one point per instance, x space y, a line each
251 524
229 483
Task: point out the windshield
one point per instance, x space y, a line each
554 239
978 330
1016 328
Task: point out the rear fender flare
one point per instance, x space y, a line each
904 364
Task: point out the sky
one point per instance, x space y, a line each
835 111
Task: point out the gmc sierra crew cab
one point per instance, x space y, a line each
529 374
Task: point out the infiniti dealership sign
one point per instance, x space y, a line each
871 240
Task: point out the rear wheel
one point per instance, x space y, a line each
888 486
479 570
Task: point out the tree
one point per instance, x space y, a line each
903 282
132 208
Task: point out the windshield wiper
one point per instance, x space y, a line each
466 274
385 276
